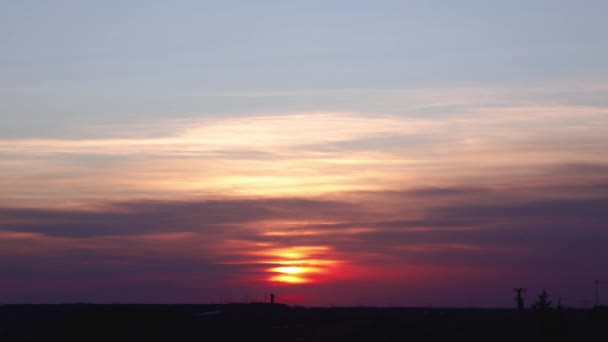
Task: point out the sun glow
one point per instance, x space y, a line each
289 279
289 270
299 264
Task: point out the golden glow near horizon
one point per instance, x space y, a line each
289 279
292 274
293 269
298 264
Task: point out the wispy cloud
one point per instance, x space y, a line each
305 154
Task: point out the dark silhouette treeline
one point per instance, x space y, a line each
277 322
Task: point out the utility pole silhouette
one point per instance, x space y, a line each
272 298
596 295
519 298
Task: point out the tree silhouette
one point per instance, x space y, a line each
543 304
551 327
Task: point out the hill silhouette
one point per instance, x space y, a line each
265 322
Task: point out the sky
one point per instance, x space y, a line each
335 153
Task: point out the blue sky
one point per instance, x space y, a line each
66 65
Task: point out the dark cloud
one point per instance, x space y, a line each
141 217
552 233
519 224
581 209
542 238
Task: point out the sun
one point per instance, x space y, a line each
299 264
289 279
294 269
293 274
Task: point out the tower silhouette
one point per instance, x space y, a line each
519 298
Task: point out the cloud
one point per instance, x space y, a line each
305 154
145 217
482 220
583 209
446 234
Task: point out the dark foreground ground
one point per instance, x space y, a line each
265 322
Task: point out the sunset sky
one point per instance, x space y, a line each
387 153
